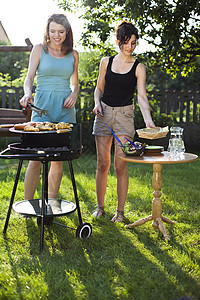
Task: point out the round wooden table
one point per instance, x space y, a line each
157 160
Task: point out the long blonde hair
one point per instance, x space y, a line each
67 45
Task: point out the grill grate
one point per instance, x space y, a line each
46 149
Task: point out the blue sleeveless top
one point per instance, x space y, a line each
53 87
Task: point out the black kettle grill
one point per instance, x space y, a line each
47 146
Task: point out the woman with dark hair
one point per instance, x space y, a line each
118 77
55 63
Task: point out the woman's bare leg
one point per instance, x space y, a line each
54 179
103 146
31 180
122 179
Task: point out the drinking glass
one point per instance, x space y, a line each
173 147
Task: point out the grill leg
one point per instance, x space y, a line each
44 201
13 195
75 191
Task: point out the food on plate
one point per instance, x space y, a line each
30 128
63 125
44 126
153 133
151 130
21 126
154 129
63 130
6 125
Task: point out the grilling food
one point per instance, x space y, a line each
20 126
62 130
6 125
31 128
44 126
63 125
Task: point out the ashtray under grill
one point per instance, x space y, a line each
22 149
60 153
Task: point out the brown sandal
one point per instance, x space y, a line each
118 217
98 212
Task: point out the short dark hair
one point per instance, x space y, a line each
124 31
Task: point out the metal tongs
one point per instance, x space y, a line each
38 110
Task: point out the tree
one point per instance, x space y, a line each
13 63
171 26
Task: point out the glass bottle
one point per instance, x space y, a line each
176 143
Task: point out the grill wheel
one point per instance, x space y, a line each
84 231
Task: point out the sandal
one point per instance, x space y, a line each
118 217
98 212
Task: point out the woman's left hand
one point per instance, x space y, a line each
150 124
70 101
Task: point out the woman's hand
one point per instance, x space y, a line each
150 124
98 110
26 98
70 101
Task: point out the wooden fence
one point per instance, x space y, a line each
6 48
184 106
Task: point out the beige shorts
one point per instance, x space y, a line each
120 120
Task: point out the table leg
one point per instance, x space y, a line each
156 216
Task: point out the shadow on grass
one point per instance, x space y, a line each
112 264
188 286
14 268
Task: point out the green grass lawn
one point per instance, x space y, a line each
114 263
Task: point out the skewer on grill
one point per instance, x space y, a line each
63 130
6 125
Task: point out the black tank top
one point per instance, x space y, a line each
119 88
